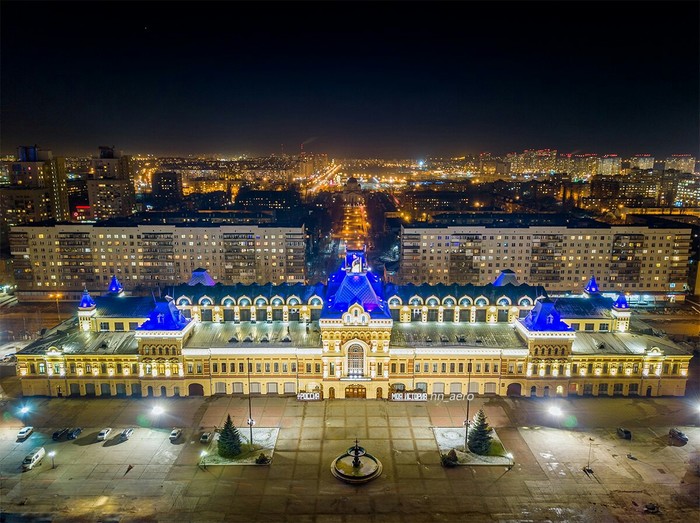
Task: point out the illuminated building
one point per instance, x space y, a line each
558 253
37 189
609 165
642 162
166 188
353 337
151 254
110 184
684 163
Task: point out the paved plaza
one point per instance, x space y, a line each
92 480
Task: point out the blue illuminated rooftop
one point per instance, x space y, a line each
507 276
355 283
544 317
592 286
86 302
114 286
201 276
165 316
621 302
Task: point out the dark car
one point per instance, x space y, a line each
624 433
59 434
677 435
74 433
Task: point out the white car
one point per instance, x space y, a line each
175 434
103 434
25 432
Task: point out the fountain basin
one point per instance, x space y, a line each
343 468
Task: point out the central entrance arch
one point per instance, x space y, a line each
356 360
355 391
514 389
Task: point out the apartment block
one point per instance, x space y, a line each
71 257
626 258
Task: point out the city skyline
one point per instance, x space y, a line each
367 80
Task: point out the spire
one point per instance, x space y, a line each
86 302
592 286
621 302
114 286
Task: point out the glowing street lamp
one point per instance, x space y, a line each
58 311
52 455
203 455
158 410
555 411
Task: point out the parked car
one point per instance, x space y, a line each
104 433
624 433
206 437
175 434
59 434
678 435
24 432
74 433
126 434
34 457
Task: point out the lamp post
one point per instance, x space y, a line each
467 421
202 461
52 455
587 468
58 311
251 421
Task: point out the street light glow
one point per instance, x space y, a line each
24 410
555 411
158 410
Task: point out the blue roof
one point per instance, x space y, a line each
349 285
165 316
621 302
114 285
592 286
86 302
201 276
544 317
506 276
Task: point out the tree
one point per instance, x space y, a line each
229 440
479 440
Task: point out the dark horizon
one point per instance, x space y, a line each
351 79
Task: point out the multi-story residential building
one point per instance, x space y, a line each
642 162
609 165
70 257
354 337
533 161
36 191
684 163
110 184
560 254
166 188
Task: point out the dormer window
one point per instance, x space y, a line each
550 319
161 319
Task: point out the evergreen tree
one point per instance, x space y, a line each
229 440
479 440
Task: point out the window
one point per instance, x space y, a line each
603 388
461 368
604 327
72 368
267 368
199 368
42 368
134 368
190 368
223 367
133 325
402 368
241 367
510 368
285 367
452 367
393 368
104 326
380 368
88 368
215 367
276 367
119 326
332 368
605 368
487 367
318 368
444 367
589 326
435 367
258 367
478 367
576 326
308 368
520 368
294 367
119 368
426 367
103 368
590 368
574 368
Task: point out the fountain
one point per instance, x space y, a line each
356 466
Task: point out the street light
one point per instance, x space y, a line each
203 455
467 422
52 455
555 411
251 421
58 311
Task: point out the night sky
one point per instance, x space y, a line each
352 79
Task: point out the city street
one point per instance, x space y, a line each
92 480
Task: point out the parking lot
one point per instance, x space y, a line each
148 478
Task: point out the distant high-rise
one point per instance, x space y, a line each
166 188
684 163
642 161
609 165
36 191
111 184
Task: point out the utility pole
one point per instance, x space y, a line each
251 422
467 422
